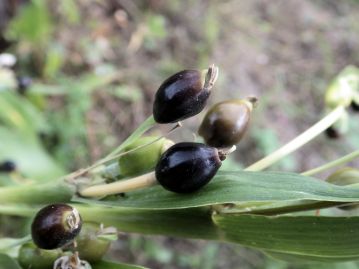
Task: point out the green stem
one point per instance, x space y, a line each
115 154
299 141
345 159
53 192
145 126
135 183
8 243
18 210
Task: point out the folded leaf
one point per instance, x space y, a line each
238 187
316 237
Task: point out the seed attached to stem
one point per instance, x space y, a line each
225 123
354 106
186 167
183 168
23 83
183 95
55 225
7 167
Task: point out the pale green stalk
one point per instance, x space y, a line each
299 141
345 159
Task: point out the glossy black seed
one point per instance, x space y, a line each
180 96
23 83
55 225
332 133
7 166
186 167
354 106
225 123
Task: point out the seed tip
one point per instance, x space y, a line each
211 77
224 152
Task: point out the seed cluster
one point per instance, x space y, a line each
186 167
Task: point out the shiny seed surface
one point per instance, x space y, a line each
186 167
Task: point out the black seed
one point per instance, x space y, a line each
186 167
225 123
23 83
354 106
7 166
55 225
180 96
332 133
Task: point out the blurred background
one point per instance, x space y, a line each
86 72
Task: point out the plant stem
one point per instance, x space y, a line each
299 141
139 182
38 193
117 152
18 210
8 243
347 158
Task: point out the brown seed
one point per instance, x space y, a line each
55 225
225 123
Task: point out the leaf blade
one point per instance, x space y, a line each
239 187
312 236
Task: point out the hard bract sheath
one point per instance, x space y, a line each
186 167
180 96
55 225
225 123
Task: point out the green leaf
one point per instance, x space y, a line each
145 126
70 10
37 193
29 156
33 23
296 258
315 238
238 187
55 57
7 79
189 223
18 113
8 263
335 238
112 265
11 246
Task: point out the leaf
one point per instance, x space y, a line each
315 238
18 113
45 193
29 156
296 258
7 79
145 126
33 23
8 263
239 187
11 246
335 238
189 223
54 60
112 265
70 11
